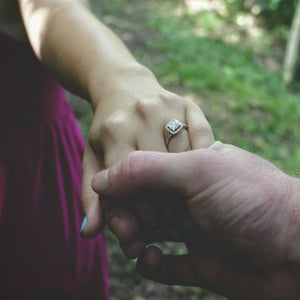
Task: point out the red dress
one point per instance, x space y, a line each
41 147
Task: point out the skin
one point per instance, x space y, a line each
245 240
130 107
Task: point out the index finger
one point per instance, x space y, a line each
94 222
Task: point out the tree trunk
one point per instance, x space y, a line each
292 49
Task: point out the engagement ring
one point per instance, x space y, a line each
174 127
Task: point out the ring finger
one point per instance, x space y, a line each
177 136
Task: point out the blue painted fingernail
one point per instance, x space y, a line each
83 225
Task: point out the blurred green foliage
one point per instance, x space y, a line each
272 12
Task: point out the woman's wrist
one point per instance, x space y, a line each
124 79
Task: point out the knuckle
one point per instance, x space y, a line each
146 106
113 126
163 100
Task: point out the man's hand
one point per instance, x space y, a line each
245 210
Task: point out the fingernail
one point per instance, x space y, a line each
101 182
83 225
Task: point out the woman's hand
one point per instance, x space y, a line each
131 108
132 116
246 241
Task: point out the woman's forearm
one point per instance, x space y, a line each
81 51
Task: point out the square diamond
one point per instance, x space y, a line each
174 126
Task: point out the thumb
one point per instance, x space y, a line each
147 170
93 222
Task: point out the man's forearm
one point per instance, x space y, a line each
81 51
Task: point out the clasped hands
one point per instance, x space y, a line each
245 239
244 242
